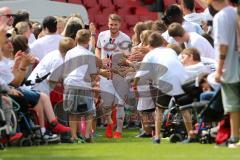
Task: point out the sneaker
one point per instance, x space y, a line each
59 128
15 137
88 140
117 135
48 136
144 135
233 145
189 140
109 131
156 141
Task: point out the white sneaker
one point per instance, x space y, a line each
234 145
48 137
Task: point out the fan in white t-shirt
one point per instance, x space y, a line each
191 60
174 14
49 64
49 42
191 40
188 8
162 67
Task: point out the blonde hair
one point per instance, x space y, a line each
66 44
83 36
22 27
114 17
138 29
144 37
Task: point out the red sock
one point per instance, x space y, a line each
58 127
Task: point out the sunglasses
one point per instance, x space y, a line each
8 15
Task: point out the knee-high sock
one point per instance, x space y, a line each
120 117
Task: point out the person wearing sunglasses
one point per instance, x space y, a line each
6 15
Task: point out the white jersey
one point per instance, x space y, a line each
175 73
47 65
201 44
44 45
110 46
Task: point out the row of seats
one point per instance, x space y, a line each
130 11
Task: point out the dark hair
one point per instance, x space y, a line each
72 28
189 4
155 39
20 16
173 14
20 42
50 23
37 29
212 11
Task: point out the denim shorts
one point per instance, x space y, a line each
32 96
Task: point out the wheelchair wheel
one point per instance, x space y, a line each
13 121
26 142
174 138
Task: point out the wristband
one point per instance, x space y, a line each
222 56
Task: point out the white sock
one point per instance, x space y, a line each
43 130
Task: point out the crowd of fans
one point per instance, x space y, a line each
97 74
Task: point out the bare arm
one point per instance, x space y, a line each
98 52
223 49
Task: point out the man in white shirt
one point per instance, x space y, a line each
191 40
188 8
228 69
50 41
162 67
174 14
49 63
109 44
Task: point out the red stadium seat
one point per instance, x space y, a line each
169 2
119 3
131 20
147 17
123 11
103 28
90 3
105 3
101 20
109 10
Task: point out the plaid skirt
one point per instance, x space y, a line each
78 101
